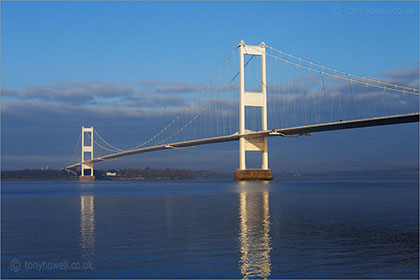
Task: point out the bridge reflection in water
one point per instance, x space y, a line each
87 225
254 234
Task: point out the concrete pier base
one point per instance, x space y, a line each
86 178
253 174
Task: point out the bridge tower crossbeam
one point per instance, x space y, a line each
252 99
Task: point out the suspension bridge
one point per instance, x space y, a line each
265 92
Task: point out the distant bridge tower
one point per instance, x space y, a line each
87 150
252 99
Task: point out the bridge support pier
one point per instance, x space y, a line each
253 174
87 178
87 150
252 99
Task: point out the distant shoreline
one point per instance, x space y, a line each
41 179
116 179
198 179
148 174
112 175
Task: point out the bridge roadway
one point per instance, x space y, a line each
285 132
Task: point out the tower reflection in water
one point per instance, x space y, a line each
254 235
87 225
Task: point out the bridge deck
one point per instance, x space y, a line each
292 131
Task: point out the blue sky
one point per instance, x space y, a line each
106 48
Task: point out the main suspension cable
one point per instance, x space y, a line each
207 105
74 150
341 72
181 114
100 137
404 91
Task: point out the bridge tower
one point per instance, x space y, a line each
252 99
87 149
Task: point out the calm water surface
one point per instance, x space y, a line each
337 228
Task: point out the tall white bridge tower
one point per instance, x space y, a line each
87 151
252 99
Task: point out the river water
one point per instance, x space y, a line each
295 228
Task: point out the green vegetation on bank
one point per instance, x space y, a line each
36 174
390 173
172 174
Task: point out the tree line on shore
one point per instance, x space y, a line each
128 174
